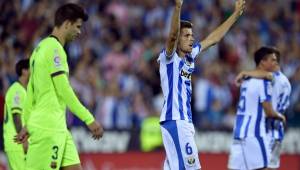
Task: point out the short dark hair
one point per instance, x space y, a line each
70 12
185 24
262 52
22 64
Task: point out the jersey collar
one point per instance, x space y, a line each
53 36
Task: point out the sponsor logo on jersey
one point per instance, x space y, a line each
185 74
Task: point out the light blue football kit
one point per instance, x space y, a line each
275 129
176 116
250 146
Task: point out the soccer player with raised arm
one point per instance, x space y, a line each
13 112
250 148
177 62
49 93
280 102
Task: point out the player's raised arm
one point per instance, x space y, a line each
219 32
175 28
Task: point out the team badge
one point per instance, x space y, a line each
191 161
53 165
57 59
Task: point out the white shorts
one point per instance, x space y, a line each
249 153
275 147
180 146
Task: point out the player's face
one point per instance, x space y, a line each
73 30
277 67
270 63
186 40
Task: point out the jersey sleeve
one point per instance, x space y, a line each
57 61
65 91
18 99
196 50
265 92
163 58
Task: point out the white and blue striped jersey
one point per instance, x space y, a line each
175 77
250 118
280 101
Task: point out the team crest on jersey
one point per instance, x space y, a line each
57 59
188 63
191 161
188 60
53 165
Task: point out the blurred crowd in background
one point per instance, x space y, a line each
113 65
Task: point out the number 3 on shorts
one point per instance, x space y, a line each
55 151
